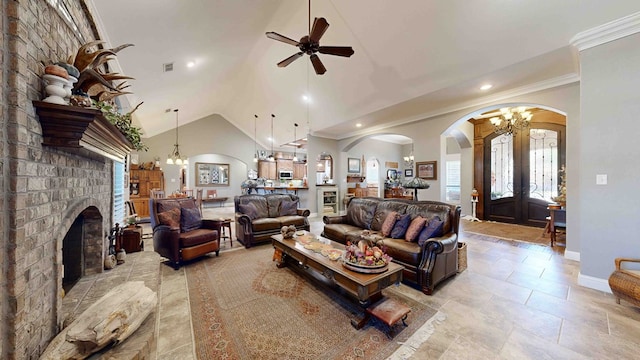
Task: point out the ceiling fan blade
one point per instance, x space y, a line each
345 51
317 64
284 39
289 60
320 25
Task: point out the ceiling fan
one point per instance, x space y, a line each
310 45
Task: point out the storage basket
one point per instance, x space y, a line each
462 256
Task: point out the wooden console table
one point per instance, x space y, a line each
215 200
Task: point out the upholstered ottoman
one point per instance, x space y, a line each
389 311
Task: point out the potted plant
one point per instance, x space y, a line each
562 188
123 122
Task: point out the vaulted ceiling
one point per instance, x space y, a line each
413 58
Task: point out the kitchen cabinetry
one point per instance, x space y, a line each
327 200
267 169
141 182
284 165
299 170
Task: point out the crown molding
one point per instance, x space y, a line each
607 32
481 101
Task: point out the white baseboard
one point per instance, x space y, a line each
594 283
572 255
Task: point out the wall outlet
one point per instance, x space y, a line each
601 179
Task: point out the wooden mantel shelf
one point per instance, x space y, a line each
73 127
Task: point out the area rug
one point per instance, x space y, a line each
244 307
506 231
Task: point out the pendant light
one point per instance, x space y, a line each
271 157
174 157
295 138
255 142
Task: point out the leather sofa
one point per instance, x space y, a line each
173 242
255 226
424 266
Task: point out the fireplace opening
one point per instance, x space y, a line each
72 255
82 247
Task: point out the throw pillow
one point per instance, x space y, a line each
400 227
414 228
430 230
190 219
388 223
249 209
171 218
288 208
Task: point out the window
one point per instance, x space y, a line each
453 178
118 192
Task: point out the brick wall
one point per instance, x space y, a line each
43 189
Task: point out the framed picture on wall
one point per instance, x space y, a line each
209 174
427 170
408 172
353 165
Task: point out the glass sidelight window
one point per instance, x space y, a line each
502 167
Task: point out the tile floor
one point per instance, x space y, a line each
514 301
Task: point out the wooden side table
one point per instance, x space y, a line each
132 239
225 223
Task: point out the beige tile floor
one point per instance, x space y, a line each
514 301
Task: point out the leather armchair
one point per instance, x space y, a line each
176 245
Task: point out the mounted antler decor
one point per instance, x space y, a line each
92 81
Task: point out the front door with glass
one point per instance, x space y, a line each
521 173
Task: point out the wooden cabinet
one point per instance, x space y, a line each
299 170
144 181
141 205
141 182
284 165
267 169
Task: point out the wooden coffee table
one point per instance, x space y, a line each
366 288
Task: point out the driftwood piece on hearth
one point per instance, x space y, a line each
109 320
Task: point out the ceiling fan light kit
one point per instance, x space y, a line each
310 45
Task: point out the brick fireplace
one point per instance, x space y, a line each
47 194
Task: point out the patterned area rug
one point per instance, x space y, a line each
244 307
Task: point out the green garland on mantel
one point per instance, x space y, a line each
123 122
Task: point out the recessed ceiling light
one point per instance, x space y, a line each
306 98
191 64
486 87
358 125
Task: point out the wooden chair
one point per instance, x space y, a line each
157 194
199 199
625 283
557 221
188 192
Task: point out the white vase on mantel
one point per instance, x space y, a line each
55 89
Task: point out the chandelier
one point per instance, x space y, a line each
174 157
409 159
511 120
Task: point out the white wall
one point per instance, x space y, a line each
610 104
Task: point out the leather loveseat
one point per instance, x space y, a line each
179 232
425 265
260 216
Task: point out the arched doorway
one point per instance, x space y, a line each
519 172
